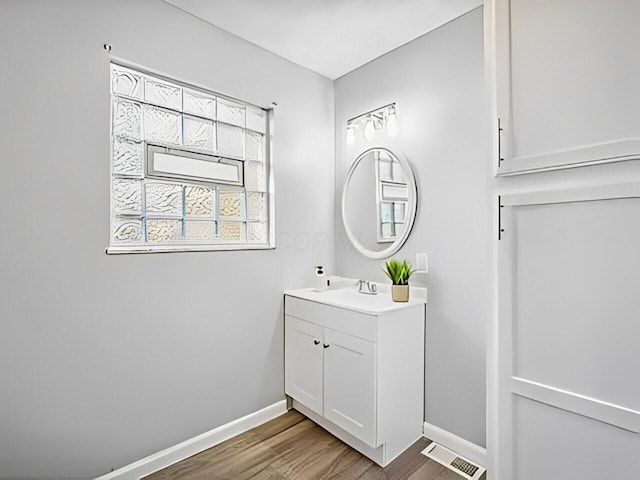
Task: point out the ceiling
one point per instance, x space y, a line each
330 37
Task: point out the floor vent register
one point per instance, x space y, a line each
449 459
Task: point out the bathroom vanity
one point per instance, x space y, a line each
354 364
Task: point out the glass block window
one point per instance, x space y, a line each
190 169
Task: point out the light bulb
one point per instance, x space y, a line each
350 135
369 129
391 123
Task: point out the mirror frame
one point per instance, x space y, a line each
412 205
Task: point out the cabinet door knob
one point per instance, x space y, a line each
325 345
316 342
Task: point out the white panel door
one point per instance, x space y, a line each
566 81
568 335
303 369
350 384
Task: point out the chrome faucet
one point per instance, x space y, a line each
371 288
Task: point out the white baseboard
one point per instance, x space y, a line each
459 445
194 445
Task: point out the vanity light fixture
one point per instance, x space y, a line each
382 117
391 122
369 129
351 134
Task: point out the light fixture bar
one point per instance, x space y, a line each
378 112
376 119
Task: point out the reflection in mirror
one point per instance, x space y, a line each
379 203
392 195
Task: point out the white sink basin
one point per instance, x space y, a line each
351 299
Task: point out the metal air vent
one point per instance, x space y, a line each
451 460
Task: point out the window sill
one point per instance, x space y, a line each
125 250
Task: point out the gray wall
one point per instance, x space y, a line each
437 83
107 359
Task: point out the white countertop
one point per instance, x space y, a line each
350 299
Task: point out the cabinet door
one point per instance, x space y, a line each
350 384
568 329
566 95
303 362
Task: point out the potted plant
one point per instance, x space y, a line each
398 273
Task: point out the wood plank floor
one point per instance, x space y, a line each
293 447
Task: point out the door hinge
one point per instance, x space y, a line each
500 207
500 129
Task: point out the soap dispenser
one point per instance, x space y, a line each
320 279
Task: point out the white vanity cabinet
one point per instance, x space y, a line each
304 362
359 374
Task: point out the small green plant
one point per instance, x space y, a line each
398 272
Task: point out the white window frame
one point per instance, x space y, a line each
152 149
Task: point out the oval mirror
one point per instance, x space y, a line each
379 203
